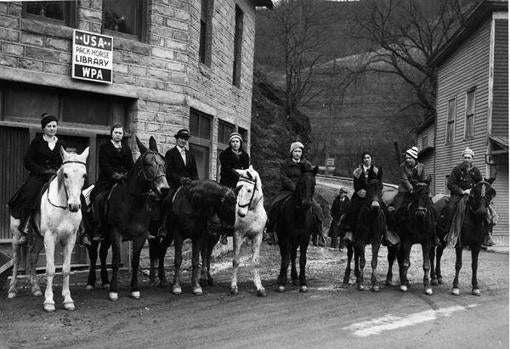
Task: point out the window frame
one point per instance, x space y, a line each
205 32
70 14
195 139
222 123
141 23
450 135
471 116
238 46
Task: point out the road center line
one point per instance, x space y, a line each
391 322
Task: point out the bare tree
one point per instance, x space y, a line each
405 35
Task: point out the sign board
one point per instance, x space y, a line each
330 162
92 57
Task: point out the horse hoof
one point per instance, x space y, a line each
455 291
388 283
69 306
361 288
234 291
428 291
375 289
105 286
177 290
281 288
403 288
89 287
49 307
476 292
11 295
261 292
114 296
303 289
434 282
197 291
135 294
37 293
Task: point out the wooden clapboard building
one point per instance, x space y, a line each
176 64
472 104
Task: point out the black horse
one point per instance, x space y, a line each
473 231
416 225
369 229
126 215
295 223
197 208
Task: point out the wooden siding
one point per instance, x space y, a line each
500 89
13 143
501 199
426 139
467 68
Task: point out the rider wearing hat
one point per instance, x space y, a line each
290 172
338 212
42 160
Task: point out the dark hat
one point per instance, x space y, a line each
343 190
47 118
366 152
182 133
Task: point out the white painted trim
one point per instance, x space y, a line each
471 89
454 120
201 106
490 99
500 15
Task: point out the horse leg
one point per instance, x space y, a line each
458 266
439 255
404 264
293 270
426 247
285 259
16 256
135 263
92 251
347 275
176 288
197 246
392 255
255 263
33 252
235 263
475 250
432 257
153 256
303 246
161 263
66 270
373 264
103 254
116 244
360 251
49 245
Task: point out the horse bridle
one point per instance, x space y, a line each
243 179
422 209
142 173
483 195
65 190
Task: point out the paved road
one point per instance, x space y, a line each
328 316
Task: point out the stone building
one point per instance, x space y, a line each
176 63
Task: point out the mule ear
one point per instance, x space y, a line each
141 147
63 153
237 189
85 154
490 180
153 145
315 170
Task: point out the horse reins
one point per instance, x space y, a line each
243 179
65 190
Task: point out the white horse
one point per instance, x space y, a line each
250 221
58 221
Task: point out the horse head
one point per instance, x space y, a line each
374 191
305 188
249 191
420 197
150 168
480 197
71 176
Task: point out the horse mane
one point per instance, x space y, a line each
205 194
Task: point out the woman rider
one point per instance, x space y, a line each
231 159
43 160
290 172
115 161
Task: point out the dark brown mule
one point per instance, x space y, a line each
474 229
296 222
368 230
415 226
127 216
194 209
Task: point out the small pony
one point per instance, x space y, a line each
57 221
250 221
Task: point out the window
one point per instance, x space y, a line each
244 134
470 114
200 141
224 131
204 52
238 43
125 18
58 12
450 123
